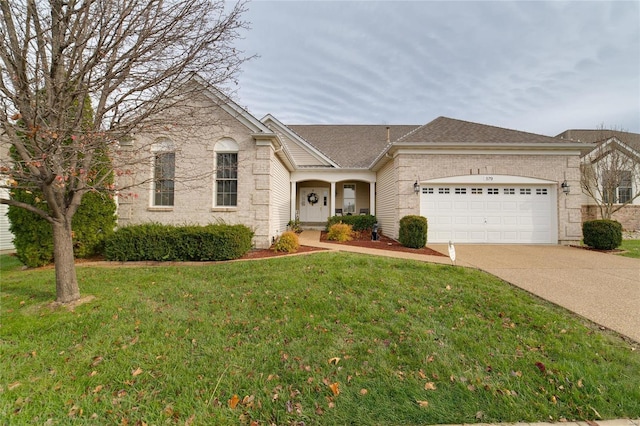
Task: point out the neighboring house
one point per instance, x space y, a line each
613 159
474 183
6 237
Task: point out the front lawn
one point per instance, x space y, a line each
632 248
325 339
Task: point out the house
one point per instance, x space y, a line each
611 175
475 183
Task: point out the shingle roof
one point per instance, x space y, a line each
351 146
449 130
594 136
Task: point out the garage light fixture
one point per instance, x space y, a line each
565 187
416 187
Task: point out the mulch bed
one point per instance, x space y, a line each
384 243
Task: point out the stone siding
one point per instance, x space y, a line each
552 167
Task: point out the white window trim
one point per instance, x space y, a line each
161 145
225 145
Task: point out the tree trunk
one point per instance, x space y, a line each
67 289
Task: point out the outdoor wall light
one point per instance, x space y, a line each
416 187
565 187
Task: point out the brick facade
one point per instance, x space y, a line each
628 216
555 168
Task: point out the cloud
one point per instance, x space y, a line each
535 66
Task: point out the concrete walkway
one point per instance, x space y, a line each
601 287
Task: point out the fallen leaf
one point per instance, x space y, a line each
335 360
136 372
423 404
471 388
580 383
96 360
93 373
13 385
429 386
335 388
541 367
233 402
97 389
422 375
363 391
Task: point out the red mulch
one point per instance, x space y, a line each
384 243
265 253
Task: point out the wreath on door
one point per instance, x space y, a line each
312 198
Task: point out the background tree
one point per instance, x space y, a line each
610 173
92 223
127 57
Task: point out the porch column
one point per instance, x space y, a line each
333 198
293 200
372 198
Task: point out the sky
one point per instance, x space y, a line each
535 66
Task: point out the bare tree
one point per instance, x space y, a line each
125 57
611 173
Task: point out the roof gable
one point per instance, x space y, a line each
601 135
303 153
230 107
351 146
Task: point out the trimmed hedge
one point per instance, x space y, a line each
413 231
157 242
358 223
602 234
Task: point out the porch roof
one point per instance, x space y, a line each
351 146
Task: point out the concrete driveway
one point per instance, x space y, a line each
604 288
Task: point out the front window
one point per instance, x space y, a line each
227 179
349 198
163 178
624 189
617 188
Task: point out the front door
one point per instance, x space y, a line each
314 204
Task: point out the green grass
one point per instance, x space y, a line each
632 248
406 343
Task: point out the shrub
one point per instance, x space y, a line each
340 232
358 223
294 225
602 234
157 242
33 236
287 243
413 231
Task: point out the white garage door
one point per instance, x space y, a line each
474 213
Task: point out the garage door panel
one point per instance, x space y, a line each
510 220
490 214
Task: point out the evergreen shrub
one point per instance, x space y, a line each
413 231
603 234
358 222
158 242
